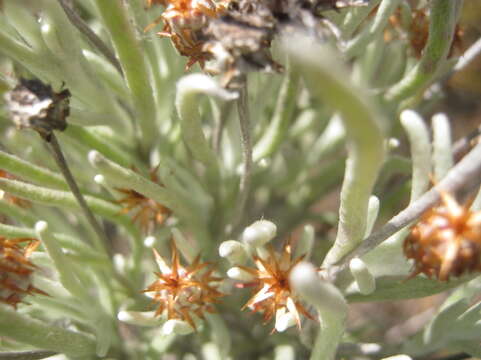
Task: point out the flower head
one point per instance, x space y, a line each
33 104
273 294
15 270
446 241
147 212
184 291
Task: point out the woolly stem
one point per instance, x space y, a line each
279 124
134 65
94 40
442 150
359 43
245 181
33 173
42 335
327 80
444 15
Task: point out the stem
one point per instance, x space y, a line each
442 150
62 164
420 147
245 181
34 173
327 80
187 104
465 175
444 15
134 66
60 198
42 335
26 355
358 44
92 37
279 124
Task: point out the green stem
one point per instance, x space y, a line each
34 173
89 139
59 198
44 336
442 150
134 66
359 44
281 119
443 18
187 104
420 146
327 80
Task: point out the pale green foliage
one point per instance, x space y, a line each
328 125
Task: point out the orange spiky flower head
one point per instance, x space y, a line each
273 296
184 292
16 269
146 212
446 241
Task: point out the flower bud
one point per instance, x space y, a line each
240 274
259 233
364 279
234 251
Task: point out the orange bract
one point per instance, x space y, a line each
182 20
147 212
273 293
15 270
446 241
184 291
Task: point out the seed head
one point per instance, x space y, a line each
184 291
273 295
15 270
33 104
446 241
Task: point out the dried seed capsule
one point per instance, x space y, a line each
15 270
33 104
446 241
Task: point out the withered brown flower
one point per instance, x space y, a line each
16 269
273 295
183 20
184 291
147 212
446 241
33 104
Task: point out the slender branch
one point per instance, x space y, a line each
92 37
466 175
62 164
244 121
225 110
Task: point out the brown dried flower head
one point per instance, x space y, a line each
446 241
146 212
33 104
16 269
273 296
183 20
184 291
